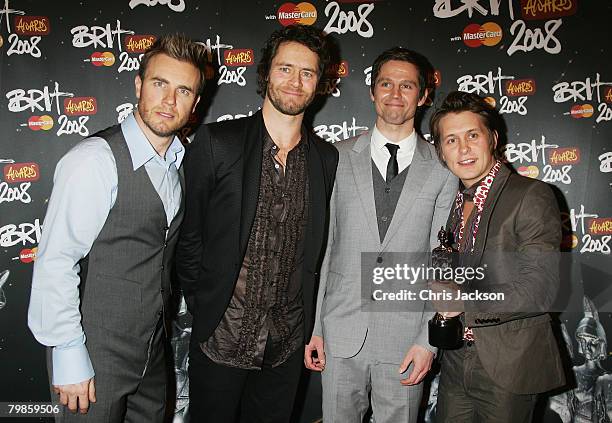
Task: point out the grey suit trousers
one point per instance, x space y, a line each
128 389
347 383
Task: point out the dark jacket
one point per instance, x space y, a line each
222 173
518 240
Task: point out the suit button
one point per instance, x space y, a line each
387 190
384 218
161 290
165 228
316 274
162 267
160 312
165 244
379 259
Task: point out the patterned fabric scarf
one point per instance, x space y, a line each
482 191
479 200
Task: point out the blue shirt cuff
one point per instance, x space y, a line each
71 363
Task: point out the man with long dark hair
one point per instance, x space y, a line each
254 230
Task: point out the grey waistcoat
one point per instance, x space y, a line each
125 279
386 196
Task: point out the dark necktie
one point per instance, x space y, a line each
392 166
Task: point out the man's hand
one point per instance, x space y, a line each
422 358
77 394
315 363
445 294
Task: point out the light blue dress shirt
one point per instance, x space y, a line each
84 191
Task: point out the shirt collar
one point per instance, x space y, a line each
269 142
141 150
469 193
406 145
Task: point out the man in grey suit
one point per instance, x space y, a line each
391 195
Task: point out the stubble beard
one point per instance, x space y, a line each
287 107
159 129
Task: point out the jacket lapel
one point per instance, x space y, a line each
483 228
253 149
316 199
361 163
418 173
174 226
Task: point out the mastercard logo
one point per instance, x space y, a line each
301 13
529 171
581 111
36 123
569 241
28 255
488 34
102 59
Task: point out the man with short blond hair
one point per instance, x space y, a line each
101 282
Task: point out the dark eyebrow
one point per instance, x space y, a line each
290 65
165 81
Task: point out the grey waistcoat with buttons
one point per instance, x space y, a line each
386 196
125 279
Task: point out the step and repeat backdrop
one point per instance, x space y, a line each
67 70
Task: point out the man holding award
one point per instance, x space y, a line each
510 225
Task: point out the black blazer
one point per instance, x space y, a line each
222 173
518 240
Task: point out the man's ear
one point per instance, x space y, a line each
494 143
423 99
138 86
195 104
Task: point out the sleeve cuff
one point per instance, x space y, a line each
71 364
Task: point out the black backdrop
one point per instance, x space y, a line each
67 70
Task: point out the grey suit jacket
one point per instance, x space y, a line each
421 211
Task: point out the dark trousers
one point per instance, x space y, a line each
467 394
220 394
129 387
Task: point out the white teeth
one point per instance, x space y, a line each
470 161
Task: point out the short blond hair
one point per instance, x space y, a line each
180 47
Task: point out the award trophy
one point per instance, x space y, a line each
445 333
